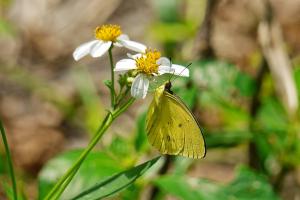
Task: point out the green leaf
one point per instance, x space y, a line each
123 79
217 76
273 136
221 94
116 183
247 185
132 192
227 138
107 83
272 117
178 186
121 147
96 166
245 84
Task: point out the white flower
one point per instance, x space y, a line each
106 35
148 65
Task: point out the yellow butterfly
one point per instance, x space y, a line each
171 127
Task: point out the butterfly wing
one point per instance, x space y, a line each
172 128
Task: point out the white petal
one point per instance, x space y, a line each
100 48
164 61
123 37
125 64
140 86
163 69
84 49
135 56
117 44
180 70
135 46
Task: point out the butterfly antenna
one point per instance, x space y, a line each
171 76
187 67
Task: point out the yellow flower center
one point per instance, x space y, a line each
147 63
108 32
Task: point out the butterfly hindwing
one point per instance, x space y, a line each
194 145
172 128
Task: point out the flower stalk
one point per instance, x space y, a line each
115 111
112 73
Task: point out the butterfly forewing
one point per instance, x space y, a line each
159 129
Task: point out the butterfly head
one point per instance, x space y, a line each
168 86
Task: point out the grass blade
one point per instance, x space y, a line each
10 164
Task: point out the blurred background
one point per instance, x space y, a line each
244 90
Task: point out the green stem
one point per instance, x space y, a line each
60 186
65 183
121 96
10 163
112 73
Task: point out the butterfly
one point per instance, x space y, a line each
171 127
